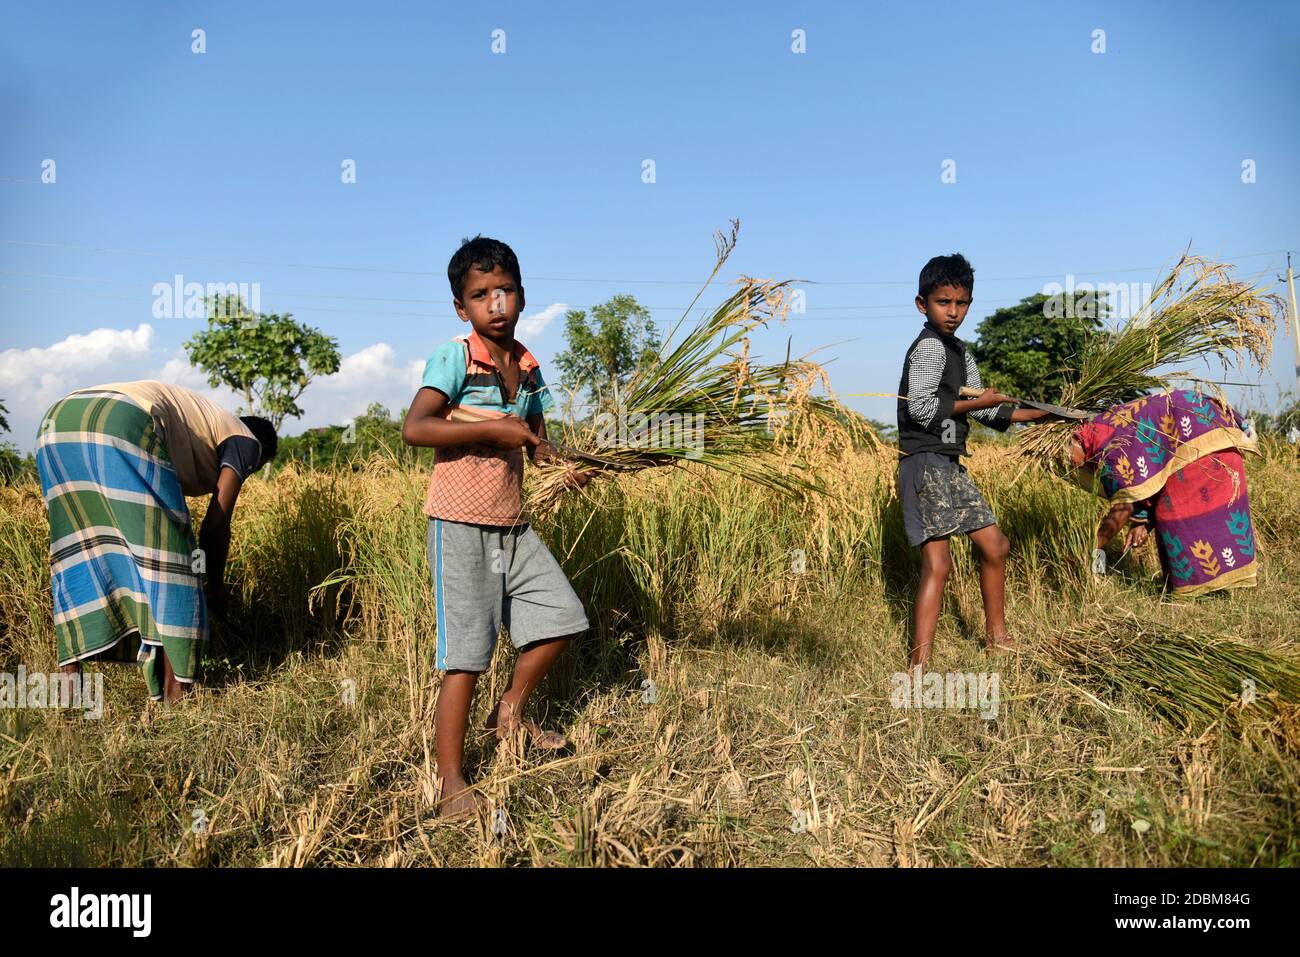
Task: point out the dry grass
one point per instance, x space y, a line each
766 736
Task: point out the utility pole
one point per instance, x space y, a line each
1295 320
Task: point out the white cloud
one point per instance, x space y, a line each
531 327
372 374
33 379
68 358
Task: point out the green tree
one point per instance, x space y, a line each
885 431
603 352
1279 423
1026 350
374 433
268 359
12 465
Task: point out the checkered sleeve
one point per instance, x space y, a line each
924 372
999 417
445 370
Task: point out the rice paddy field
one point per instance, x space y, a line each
731 706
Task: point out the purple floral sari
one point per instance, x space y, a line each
1178 455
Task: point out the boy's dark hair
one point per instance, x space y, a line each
264 432
951 270
484 254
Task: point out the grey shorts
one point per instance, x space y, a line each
486 577
939 498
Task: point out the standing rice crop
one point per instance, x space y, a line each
722 409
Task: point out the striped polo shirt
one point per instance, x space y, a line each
477 484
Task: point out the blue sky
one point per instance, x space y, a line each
1104 166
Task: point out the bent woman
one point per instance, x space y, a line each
1172 463
116 462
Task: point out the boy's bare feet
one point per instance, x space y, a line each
504 720
458 801
1000 644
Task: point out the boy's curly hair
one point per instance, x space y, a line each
483 254
951 270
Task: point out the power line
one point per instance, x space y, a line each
535 278
216 259
411 315
73 292
309 308
436 302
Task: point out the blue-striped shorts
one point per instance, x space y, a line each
489 577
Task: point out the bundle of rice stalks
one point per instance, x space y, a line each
706 401
1187 679
1197 311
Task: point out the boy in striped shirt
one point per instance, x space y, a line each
490 570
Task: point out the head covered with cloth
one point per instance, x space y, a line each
1171 462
